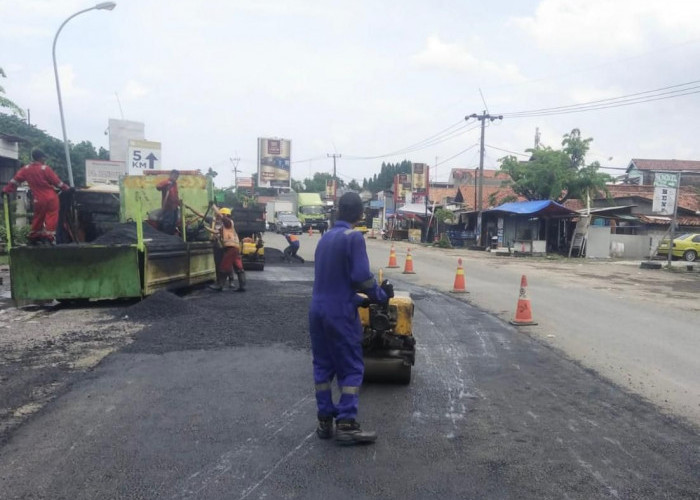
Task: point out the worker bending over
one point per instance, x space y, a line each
341 270
291 251
43 182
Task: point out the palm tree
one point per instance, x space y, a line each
6 103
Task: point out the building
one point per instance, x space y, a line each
641 171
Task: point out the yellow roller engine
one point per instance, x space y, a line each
388 344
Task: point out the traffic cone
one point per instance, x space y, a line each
523 311
371 234
392 258
311 233
408 267
460 285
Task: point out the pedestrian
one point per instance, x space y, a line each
291 251
341 271
42 181
170 202
231 258
323 227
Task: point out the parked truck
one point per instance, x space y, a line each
276 207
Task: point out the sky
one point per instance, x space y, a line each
374 81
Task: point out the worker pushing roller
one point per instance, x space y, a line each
341 270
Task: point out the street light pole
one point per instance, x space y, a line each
99 6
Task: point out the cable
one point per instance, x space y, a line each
506 150
692 87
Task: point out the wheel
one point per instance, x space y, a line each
690 255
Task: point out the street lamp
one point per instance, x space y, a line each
99 6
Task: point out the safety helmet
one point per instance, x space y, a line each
350 208
225 211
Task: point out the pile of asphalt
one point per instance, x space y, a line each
267 313
125 234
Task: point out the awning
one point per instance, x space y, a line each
534 208
415 209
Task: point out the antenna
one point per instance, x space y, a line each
121 111
483 100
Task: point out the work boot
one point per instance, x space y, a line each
241 281
349 432
218 286
325 427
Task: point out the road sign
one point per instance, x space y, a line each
143 155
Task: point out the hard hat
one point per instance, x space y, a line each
225 211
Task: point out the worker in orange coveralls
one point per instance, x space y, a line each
43 182
170 202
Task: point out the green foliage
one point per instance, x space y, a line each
317 184
444 242
211 173
354 185
444 216
19 234
7 103
52 147
556 174
385 179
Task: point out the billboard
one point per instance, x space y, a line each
103 172
420 178
274 162
120 133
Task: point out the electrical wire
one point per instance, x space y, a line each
662 93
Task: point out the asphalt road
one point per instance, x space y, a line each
214 399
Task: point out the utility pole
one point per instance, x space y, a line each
479 199
234 162
335 178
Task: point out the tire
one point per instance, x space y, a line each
690 255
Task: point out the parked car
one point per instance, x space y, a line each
686 246
361 228
288 223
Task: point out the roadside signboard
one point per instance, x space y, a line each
274 163
665 185
100 172
143 155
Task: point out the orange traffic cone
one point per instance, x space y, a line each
408 267
311 233
371 234
460 285
523 312
392 258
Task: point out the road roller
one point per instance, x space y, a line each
388 344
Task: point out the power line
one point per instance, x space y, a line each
668 92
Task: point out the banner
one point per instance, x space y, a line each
274 163
665 185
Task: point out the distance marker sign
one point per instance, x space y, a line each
143 155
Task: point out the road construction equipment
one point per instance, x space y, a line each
388 344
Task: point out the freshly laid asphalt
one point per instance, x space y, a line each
215 399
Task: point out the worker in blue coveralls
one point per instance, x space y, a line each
342 270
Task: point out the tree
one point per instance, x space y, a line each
556 174
385 179
317 184
353 184
7 103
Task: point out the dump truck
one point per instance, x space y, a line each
115 256
311 211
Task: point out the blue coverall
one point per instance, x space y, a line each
342 269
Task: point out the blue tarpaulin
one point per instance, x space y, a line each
534 208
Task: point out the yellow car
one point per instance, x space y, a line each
361 228
686 246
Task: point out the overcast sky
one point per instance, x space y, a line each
365 79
